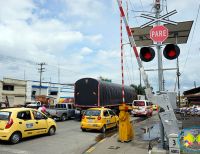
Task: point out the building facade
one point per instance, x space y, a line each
14 90
20 91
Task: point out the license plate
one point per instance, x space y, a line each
90 120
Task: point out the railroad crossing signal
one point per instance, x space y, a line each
170 52
147 54
159 33
161 19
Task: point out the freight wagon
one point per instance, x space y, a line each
90 92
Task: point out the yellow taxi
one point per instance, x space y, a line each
18 123
155 107
99 119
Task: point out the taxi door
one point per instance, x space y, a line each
113 119
40 122
107 118
25 123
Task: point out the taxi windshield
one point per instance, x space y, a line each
92 113
4 115
139 103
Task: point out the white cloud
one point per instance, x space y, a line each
86 51
15 10
85 8
95 39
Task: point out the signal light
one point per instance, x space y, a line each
171 51
147 54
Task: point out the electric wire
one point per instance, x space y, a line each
133 11
142 5
196 20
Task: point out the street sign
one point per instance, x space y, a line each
159 33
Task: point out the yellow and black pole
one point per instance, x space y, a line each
125 127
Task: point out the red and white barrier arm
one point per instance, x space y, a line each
133 44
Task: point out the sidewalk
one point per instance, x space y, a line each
112 146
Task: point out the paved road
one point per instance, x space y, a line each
69 139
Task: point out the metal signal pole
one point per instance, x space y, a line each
160 67
41 69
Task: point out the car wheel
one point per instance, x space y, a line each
64 117
103 129
52 130
83 130
15 138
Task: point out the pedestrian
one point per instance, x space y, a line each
42 109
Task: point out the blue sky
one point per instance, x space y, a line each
81 38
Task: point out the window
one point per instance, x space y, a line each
33 94
53 93
38 116
8 87
5 115
69 106
92 113
139 103
105 113
112 113
24 115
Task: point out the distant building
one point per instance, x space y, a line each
55 90
21 91
193 96
14 89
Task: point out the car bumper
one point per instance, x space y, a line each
97 126
140 113
5 134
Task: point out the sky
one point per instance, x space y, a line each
81 38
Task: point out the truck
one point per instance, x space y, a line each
33 104
62 111
91 92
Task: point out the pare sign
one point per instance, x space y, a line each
159 33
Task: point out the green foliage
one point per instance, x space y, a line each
139 89
105 79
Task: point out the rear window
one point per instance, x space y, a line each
5 115
139 103
92 113
60 105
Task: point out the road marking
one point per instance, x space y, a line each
102 140
14 151
90 150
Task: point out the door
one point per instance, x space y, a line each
71 110
40 122
113 119
107 118
25 123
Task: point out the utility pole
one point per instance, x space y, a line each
195 84
41 69
178 80
59 73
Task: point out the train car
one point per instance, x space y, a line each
90 92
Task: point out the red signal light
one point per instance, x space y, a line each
171 51
147 54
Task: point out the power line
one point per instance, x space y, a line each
141 5
191 39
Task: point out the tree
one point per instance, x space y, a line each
105 79
139 89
